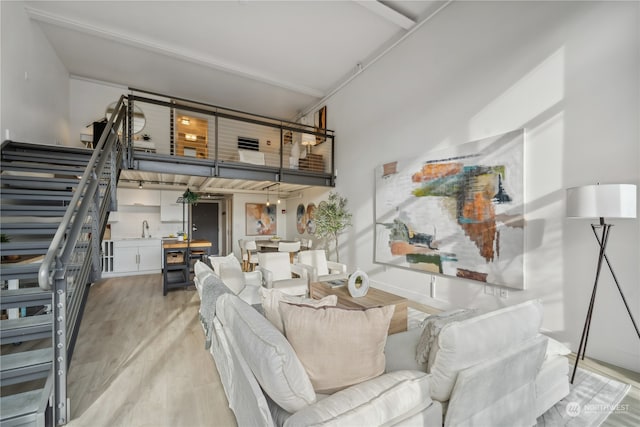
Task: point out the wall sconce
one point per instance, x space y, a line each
140 184
190 137
185 121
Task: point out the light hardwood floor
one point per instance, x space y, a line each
140 361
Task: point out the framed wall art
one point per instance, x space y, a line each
456 212
301 219
310 218
261 219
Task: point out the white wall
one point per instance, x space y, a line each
567 72
89 100
35 85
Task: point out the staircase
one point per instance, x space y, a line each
55 205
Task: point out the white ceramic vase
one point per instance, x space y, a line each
358 289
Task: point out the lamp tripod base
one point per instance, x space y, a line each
602 242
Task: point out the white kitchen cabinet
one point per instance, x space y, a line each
170 210
137 256
138 197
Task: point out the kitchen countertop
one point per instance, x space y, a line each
171 244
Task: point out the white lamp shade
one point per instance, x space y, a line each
602 201
308 139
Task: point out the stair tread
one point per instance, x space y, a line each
43 208
31 248
26 322
16 180
32 244
24 297
19 404
32 267
26 358
34 291
28 146
40 167
18 225
37 194
42 157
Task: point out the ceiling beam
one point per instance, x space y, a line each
387 13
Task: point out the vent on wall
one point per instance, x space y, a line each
248 143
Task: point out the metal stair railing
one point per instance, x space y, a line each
73 258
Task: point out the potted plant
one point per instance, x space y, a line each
189 197
332 218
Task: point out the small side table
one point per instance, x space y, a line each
373 298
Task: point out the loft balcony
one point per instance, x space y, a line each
165 135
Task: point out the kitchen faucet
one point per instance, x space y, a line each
145 224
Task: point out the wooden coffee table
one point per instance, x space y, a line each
374 298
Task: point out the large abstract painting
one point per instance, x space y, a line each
458 212
261 219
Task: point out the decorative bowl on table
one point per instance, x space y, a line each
274 238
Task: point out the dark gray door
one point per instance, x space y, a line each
204 220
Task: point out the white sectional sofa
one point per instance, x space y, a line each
492 369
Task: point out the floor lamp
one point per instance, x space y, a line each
600 201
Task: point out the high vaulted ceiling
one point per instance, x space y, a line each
275 58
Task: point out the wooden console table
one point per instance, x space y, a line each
177 262
373 298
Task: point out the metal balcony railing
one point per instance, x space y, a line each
225 143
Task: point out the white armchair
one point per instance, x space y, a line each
277 272
319 268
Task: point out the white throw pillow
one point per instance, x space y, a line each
232 277
229 260
271 304
268 354
201 270
337 347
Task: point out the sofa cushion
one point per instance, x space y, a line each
400 351
338 347
469 342
201 270
232 277
385 400
426 349
229 260
272 297
267 353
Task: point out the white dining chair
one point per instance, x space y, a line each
292 247
251 249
